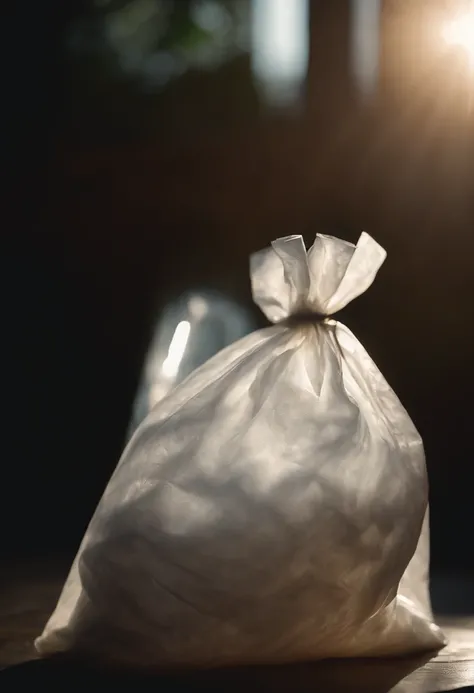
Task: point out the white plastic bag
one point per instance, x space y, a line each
268 508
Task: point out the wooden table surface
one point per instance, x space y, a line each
28 594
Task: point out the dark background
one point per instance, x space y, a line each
114 203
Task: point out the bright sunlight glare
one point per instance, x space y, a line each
460 32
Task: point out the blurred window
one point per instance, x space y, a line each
280 49
365 44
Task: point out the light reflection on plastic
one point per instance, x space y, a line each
365 44
191 330
280 48
176 351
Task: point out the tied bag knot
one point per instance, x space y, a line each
294 286
305 317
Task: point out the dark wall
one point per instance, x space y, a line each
102 233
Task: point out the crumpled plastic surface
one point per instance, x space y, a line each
273 507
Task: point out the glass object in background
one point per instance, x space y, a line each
365 45
191 330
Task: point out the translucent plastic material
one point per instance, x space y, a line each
273 507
